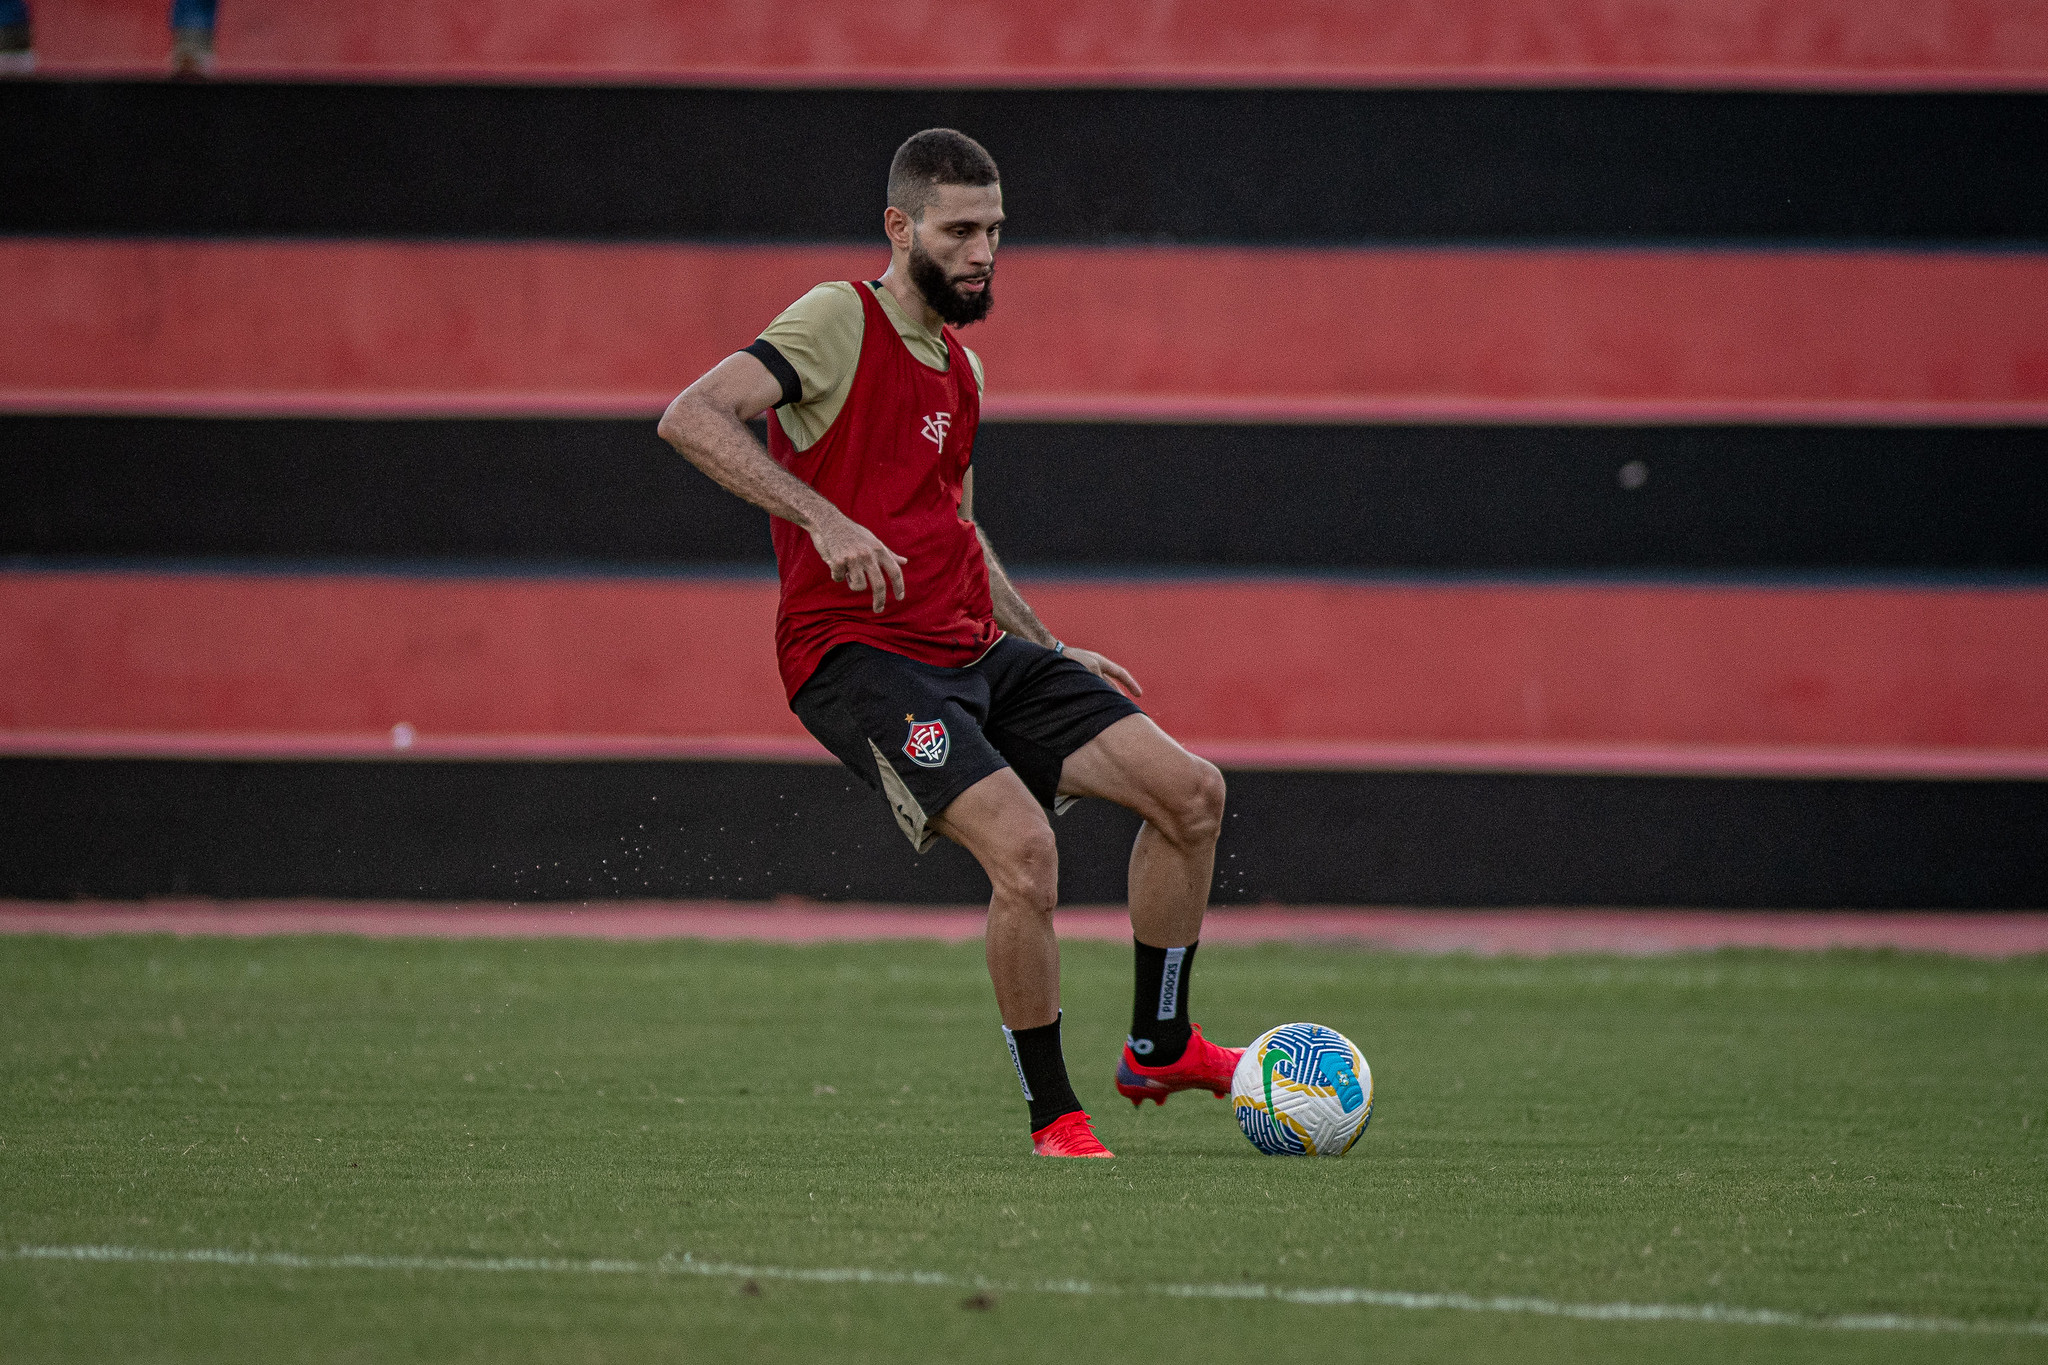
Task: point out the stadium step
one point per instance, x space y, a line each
1540 335
1295 673
1809 44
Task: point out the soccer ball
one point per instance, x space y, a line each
1302 1090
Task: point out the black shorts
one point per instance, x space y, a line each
921 734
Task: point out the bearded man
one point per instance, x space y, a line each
907 651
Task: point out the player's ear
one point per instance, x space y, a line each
898 225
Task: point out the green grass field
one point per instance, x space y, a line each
1848 1134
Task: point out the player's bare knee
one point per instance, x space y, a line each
1194 814
1026 869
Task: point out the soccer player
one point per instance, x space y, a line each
907 651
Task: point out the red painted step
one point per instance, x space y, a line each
1804 44
1201 333
1601 678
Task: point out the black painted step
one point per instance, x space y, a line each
1208 166
556 831
610 495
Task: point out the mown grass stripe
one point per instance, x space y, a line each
1335 1296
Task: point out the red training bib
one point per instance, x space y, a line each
893 460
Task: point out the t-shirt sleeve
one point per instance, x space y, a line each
974 362
817 339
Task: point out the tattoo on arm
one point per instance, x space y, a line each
1013 613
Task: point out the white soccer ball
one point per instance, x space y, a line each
1302 1090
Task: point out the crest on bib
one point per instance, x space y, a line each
928 745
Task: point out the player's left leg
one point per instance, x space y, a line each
1003 826
1180 796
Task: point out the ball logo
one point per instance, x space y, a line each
935 428
1269 1059
927 746
1338 1075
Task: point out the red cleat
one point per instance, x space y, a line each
1204 1066
1068 1135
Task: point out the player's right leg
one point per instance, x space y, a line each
913 732
1004 827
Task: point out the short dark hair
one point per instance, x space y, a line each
935 157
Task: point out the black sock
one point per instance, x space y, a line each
1159 1003
1042 1071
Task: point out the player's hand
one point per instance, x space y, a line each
858 558
1106 668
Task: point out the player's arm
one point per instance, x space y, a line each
707 424
1014 614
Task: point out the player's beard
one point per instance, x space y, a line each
948 302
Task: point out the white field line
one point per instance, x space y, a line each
1339 1296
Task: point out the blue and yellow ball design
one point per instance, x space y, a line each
1302 1090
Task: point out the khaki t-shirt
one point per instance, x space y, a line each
820 335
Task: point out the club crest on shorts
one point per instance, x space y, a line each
928 745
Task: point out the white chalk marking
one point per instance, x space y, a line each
1716 1314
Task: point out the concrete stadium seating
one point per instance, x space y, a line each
1712 679
1737 697
1135 332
